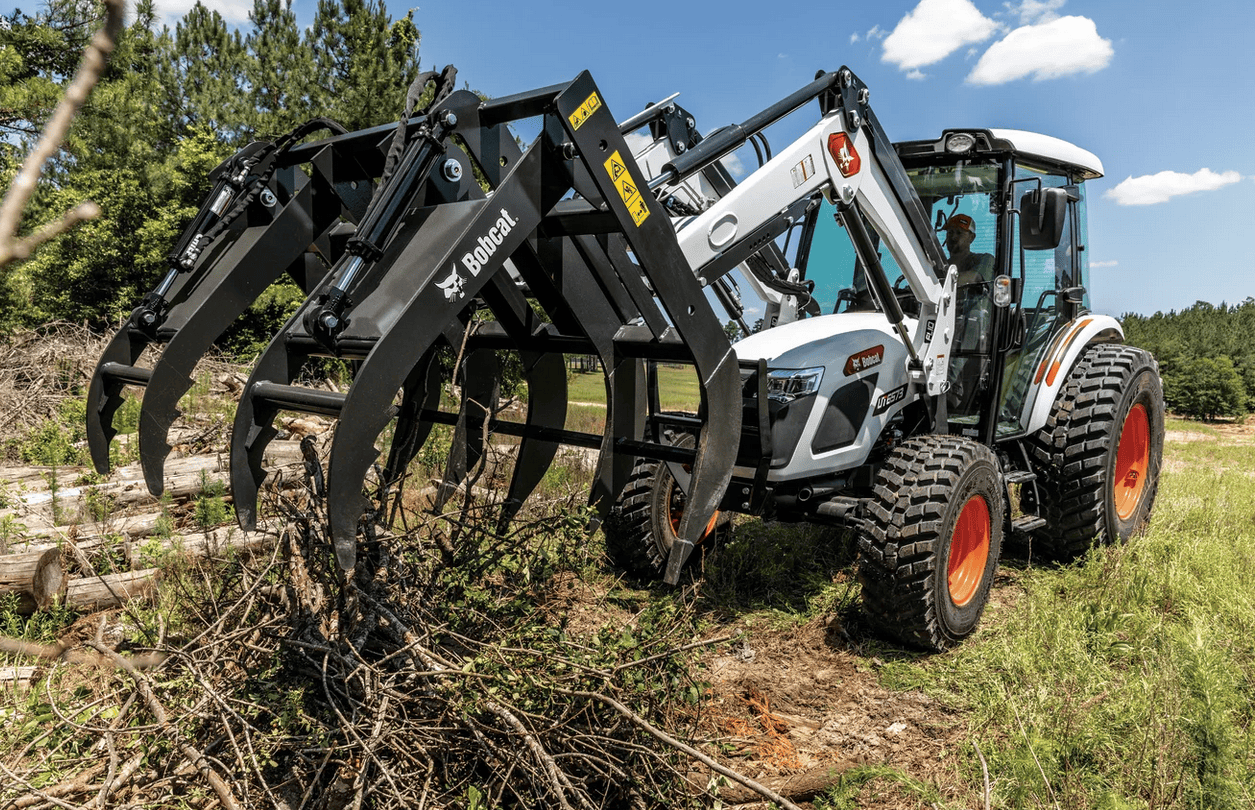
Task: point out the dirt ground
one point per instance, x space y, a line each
804 701
799 700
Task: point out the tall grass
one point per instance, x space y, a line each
1126 680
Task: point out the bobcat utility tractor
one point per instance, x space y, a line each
933 399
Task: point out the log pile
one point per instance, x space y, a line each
58 528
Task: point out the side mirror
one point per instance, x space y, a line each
1042 218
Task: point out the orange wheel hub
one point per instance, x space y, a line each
675 512
1132 462
969 551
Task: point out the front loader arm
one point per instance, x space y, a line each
846 157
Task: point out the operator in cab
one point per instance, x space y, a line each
970 363
973 267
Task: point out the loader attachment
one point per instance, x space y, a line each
265 216
605 266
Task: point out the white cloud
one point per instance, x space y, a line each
637 142
916 74
1150 189
876 32
1108 263
1058 48
1036 11
234 12
933 30
854 37
734 165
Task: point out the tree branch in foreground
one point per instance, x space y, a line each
23 186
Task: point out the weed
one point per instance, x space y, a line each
848 792
99 504
126 418
10 530
797 568
51 445
41 627
211 510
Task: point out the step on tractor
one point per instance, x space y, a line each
928 372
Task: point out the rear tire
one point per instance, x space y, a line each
642 527
933 540
1099 455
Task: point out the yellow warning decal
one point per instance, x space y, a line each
591 105
628 192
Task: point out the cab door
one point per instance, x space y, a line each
1051 294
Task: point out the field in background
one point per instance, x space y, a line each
677 388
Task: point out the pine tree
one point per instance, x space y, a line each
206 76
279 70
364 62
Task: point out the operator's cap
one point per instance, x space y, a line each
962 222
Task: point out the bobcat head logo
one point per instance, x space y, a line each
453 285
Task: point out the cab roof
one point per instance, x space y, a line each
1055 150
1080 162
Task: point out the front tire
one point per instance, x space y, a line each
933 540
1098 458
642 527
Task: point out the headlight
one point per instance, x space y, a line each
960 142
787 384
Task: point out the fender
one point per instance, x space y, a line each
1055 366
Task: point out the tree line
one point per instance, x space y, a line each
1206 356
172 104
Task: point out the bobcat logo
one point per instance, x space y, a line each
453 285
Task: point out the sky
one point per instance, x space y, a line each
1161 92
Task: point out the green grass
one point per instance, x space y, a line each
1126 680
677 388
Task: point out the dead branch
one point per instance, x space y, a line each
760 789
62 651
194 756
23 186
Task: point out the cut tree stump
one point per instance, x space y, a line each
35 576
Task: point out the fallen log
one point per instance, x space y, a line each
71 505
17 676
800 787
110 590
93 534
37 578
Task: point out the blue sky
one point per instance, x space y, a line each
1161 92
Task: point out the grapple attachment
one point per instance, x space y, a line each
275 207
604 264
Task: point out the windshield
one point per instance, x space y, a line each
955 193
960 194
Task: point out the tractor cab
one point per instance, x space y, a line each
1009 209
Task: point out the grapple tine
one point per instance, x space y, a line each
254 261
595 135
104 396
512 215
421 392
481 386
546 408
253 430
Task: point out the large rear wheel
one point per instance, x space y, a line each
933 540
1099 455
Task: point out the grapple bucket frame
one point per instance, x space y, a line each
606 267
